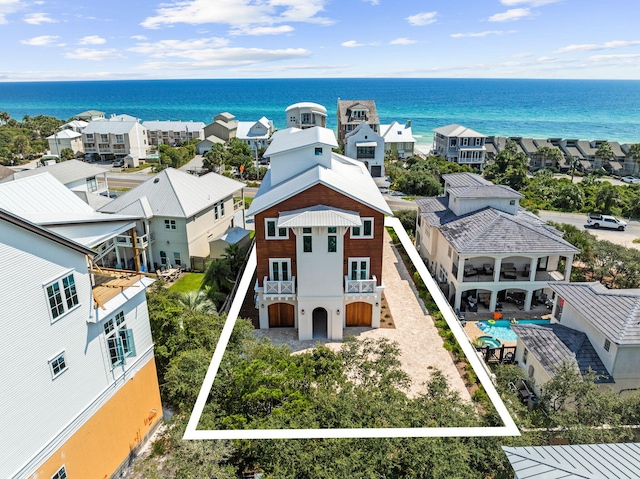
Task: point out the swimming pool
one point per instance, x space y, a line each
502 328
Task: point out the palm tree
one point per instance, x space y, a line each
216 282
198 302
605 152
234 256
4 117
634 152
546 153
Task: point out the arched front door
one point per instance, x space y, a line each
319 323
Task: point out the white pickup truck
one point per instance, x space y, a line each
605 221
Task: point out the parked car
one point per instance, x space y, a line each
597 220
630 179
119 163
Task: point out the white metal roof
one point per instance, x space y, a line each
457 130
346 176
112 126
75 124
396 133
243 132
168 125
64 134
319 215
307 104
176 193
295 138
232 235
93 234
65 172
366 143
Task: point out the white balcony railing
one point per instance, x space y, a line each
237 204
142 240
360 286
279 287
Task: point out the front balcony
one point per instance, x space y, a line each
279 288
237 204
360 286
511 269
141 240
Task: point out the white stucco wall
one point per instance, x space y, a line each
462 206
291 163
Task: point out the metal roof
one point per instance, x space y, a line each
458 131
244 129
178 194
485 191
307 104
65 172
395 133
319 215
366 143
589 461
465 179
67 133
346 176
116 127
295 138
614 312
554 344
168 125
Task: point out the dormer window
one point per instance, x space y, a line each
318 151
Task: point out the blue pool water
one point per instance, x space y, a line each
502 328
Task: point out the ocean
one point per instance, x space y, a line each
581 109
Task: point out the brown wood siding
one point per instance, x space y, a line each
281 315
358 314
320 195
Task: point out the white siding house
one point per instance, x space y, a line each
460 144
115 137
365 145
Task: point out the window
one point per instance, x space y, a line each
279 269
163 257
89 136
358 269
525 355
478 141
170 224
449 252
465 142
119 138
61 474
62 296
58 365
104 138
364 231
512 202
607 345
306 240
332 244
222 209
120 343
273 232
92 184
319 151
453 142
176 258
215 212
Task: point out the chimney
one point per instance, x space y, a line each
408 123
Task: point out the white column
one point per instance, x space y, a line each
496 269
567 268
493 301
532 269
527 301
118 261
461 262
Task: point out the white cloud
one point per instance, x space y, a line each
481 34
353 44
622 56
532 3
262 30
224 58
372 2
95 55
522 55
402 41
138 37
41 41
161 48
92 40
295 67
589 47
38 18
511 15
7 7
237 12
420 19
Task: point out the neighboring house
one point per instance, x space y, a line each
84 394
5 172
255 133
224 126
74 125
207 144
319 223
65 139
398 140
173 133
116 137
352 112
483 248
88 182
610 320
365 145
588 461
306 115
181 214
461 145
494 145
90 115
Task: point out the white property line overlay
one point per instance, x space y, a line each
509 428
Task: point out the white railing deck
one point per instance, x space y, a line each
279 287
359 286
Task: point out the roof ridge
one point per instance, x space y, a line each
536 228
630 317
495 218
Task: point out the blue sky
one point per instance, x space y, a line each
117 39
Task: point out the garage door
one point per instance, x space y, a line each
359 314
281 315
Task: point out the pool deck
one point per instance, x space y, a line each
474 332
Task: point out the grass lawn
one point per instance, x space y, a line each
189 282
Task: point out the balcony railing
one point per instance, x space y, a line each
237 204
279 287
359 286
142 240
91 150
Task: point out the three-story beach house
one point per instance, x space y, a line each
460 144
319 223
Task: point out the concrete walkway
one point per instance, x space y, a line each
420 345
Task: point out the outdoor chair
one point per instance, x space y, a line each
487 269
469 270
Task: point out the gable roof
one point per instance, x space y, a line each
458 130
65 172
465 179
66 133
491 231
554 344
346 176
113 126
613 312
345 105
177 193
244 129
590 461
488 191
318 215
395 132
295 138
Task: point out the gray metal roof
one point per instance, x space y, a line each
614 312
118 127
589 461
465 179
176 193
65 172
528 146
319 215
491 231
554 344
458 131
5 172
485 191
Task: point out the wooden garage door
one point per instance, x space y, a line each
359 314
281 315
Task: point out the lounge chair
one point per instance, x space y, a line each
469 270
487 269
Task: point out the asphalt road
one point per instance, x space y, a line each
579 220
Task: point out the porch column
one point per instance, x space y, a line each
144 260
527 300
492 301
533 266
496 269
460 277
148 233
118 261
567 268
458 301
